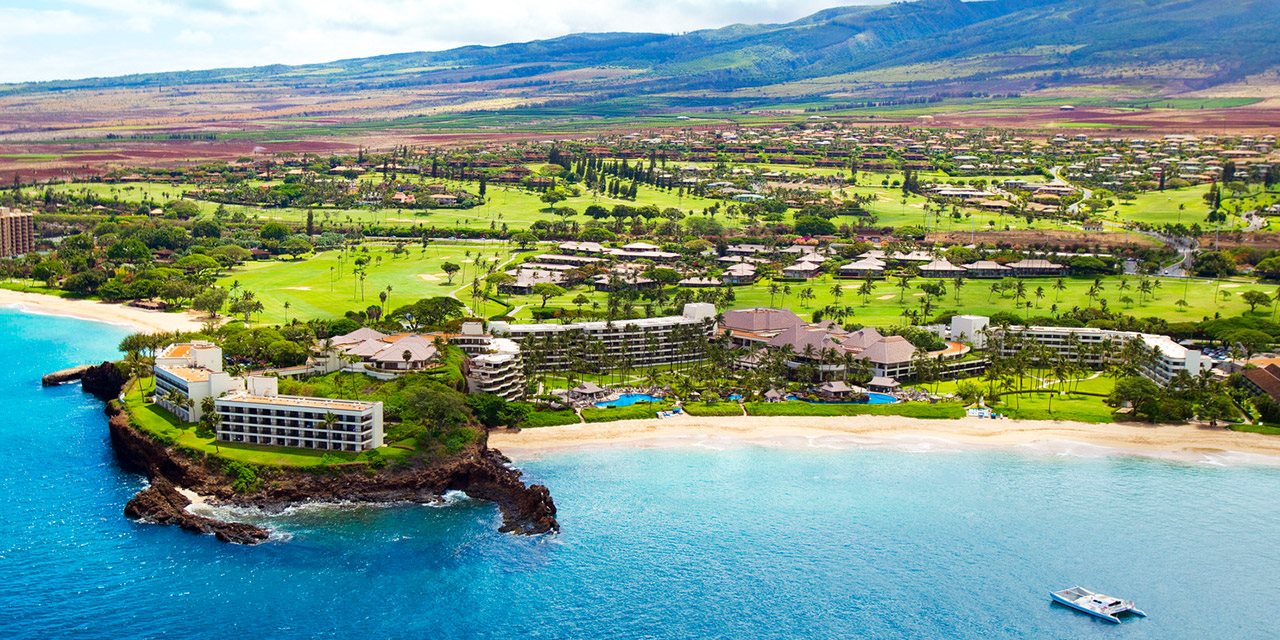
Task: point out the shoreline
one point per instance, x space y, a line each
141 320
1185 443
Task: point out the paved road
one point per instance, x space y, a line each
1056 172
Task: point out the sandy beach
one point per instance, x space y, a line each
1174 442
117 314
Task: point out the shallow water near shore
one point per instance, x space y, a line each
759 542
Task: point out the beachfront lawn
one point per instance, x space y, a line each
549 419
166 427
641 411
702 409
1070 407
940 411
33 286
1264 429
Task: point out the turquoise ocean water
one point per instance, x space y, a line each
743 543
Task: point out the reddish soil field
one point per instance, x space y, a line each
1269 241
1259 118
1059 240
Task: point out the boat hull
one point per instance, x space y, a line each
1097 614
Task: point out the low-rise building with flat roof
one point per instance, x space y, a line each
260 415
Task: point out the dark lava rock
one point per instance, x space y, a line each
104 381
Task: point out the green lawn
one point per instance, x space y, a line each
1037 406
717 409
314 291
950 410
1264 429
884 308
33 286
642 411
549 419
162 424
324 286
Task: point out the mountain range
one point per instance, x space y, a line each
907 50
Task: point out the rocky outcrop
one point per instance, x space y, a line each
162 503
104 381
480 472
64 376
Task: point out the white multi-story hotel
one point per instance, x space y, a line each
252 411
260 415
644 341
1168 359
193 370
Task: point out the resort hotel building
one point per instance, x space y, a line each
1096 346
187 373
251 409
498 370
831 349
17 232
260 415
493 365
642 342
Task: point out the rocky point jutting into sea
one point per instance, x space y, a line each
478 471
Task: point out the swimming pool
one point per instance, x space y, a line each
872 398
628 399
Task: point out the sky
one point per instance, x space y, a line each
61 39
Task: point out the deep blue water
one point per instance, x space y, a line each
742 543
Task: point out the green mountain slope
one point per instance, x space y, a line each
1009 45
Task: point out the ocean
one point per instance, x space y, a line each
745 542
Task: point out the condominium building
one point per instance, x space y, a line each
642 342
1090 344
189 372
500 370
17 232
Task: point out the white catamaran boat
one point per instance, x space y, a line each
1096 604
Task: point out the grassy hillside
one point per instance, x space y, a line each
994 46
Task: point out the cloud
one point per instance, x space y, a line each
193 38
107 37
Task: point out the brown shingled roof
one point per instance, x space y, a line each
1267 379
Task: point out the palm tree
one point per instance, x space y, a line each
866 289
287 305
1058 287
1019 292
956 284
